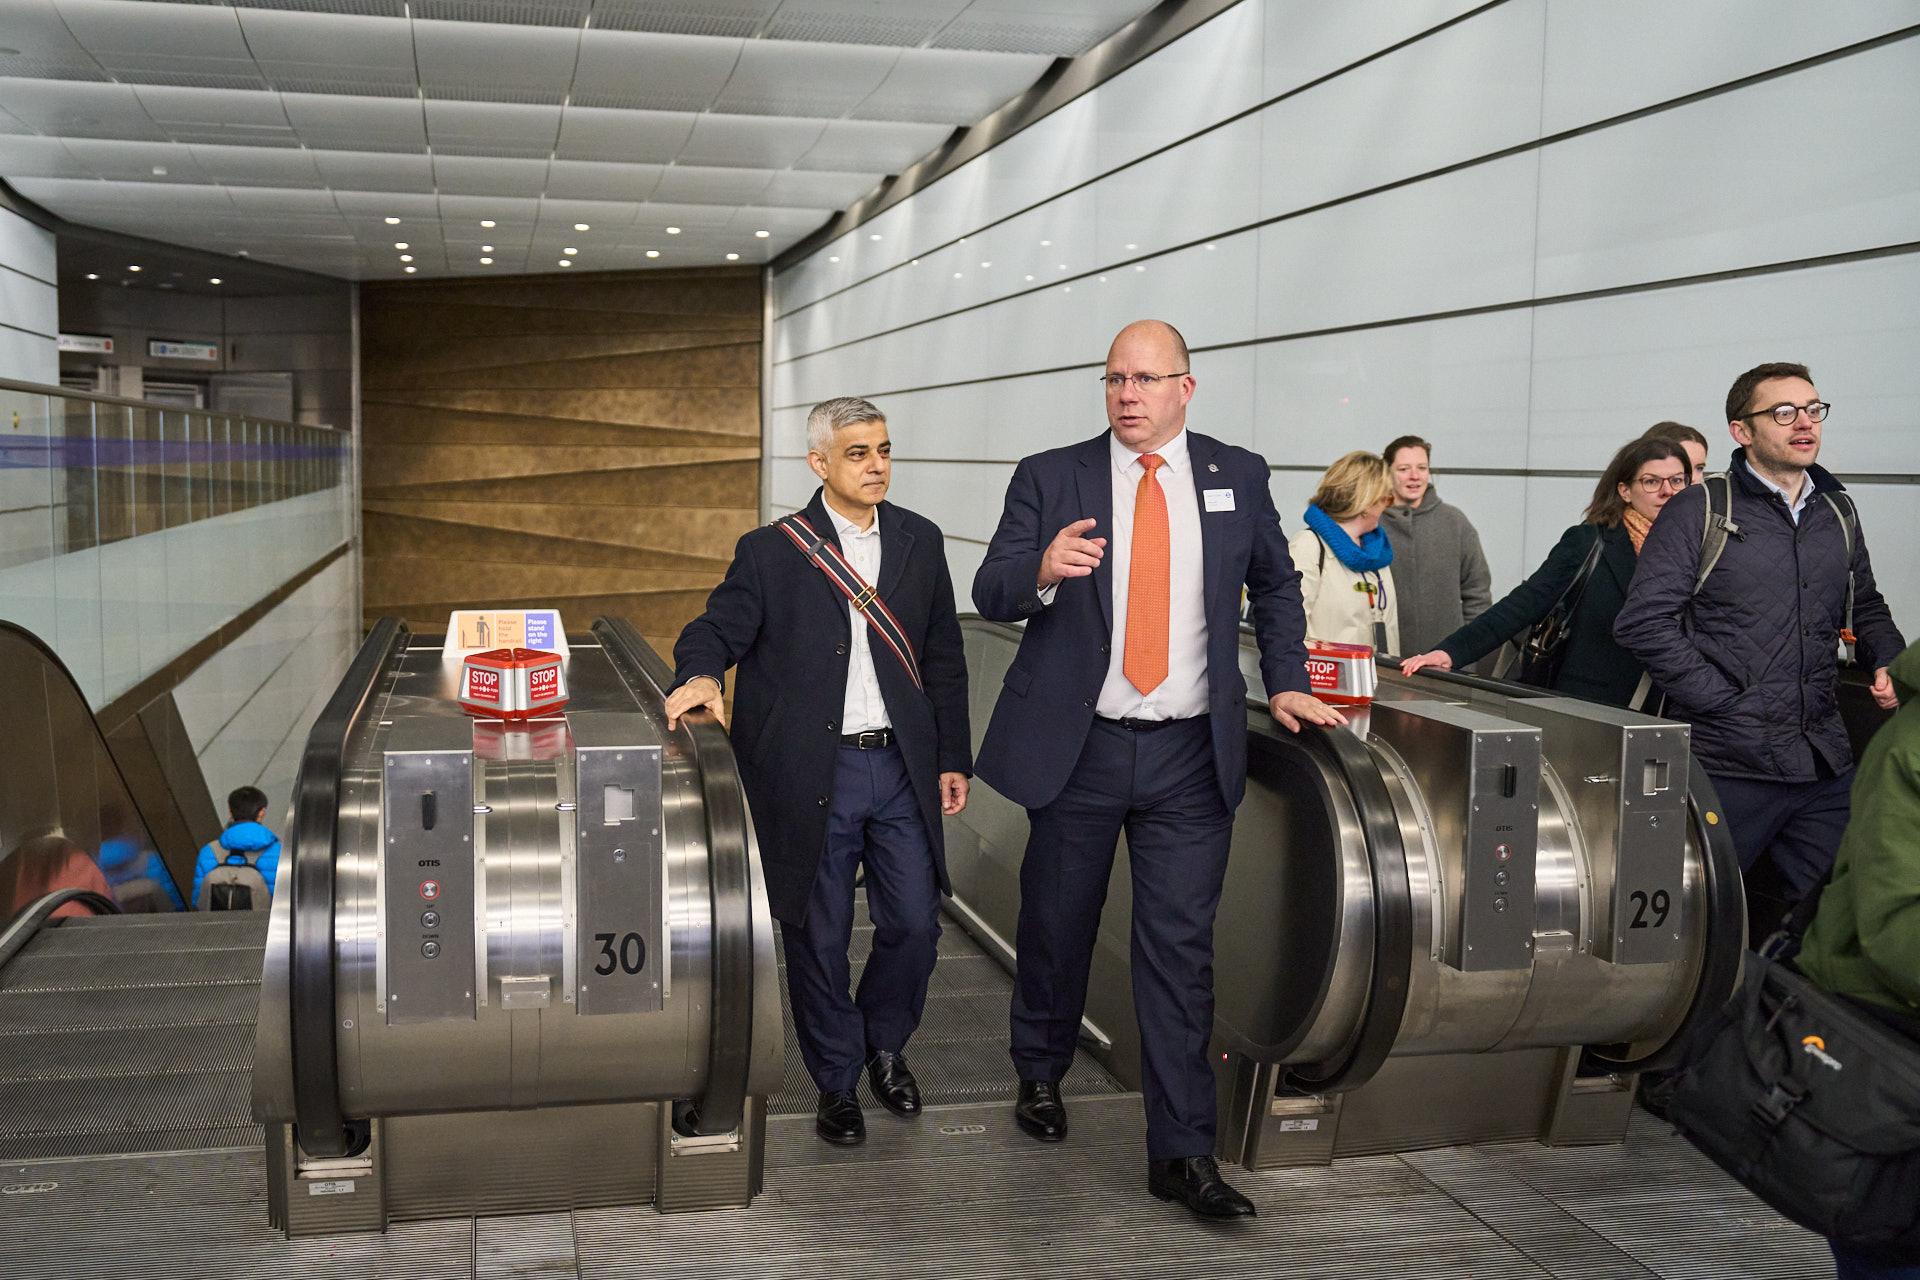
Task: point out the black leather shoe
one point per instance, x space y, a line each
893 1083
839 1119
1196 1183
1039 1110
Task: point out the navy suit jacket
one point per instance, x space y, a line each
786 627
1045 710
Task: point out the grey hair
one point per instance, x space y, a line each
830 415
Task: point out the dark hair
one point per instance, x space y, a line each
1607 505
1677 432
1405 442
1747 383
246 804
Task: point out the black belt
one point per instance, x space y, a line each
871 740
1145 726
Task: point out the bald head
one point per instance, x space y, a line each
1145 417
1159 335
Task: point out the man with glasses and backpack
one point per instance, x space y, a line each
235 869
1747 587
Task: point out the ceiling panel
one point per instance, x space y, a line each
788 78
67 109
294 129
950 86
1057 28
644 137
340 123
874 146
900 23
365 171
737 19
595 180
481 62
753 142
681 73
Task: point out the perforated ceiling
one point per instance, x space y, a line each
296 131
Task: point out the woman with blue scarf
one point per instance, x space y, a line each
1343 555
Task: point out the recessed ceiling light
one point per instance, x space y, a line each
985 265
653 253
874 236
486 262
393 222
566 262
214 280
914 263
581 226
1063 266
1133 246
1139 266
486 222
733 257
569 251
244 253
1046 244
406 257
486 248
673 231
133 268
834 258
1029 277
1103 279
761 235
159 171
410 270
1066 288
400 244
962 240
93 275
956 275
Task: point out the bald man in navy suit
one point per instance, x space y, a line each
1125 709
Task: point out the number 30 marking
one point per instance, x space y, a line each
631 957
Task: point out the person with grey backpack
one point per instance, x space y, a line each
235 869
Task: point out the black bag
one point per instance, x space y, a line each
1814 1106
1545 648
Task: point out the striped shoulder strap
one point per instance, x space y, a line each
827 558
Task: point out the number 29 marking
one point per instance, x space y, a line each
1659 903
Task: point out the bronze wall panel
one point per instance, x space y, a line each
589 442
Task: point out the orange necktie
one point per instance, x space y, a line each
1148 590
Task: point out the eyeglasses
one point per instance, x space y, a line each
1654 484
1142 381
1784 414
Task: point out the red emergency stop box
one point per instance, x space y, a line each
1341 672
513 684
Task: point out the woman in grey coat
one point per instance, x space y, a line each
1437 561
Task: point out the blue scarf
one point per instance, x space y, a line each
1370 553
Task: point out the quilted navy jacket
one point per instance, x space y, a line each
1749 661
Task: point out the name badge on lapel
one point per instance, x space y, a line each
1218 499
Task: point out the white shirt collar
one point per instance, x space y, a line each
1173 455
847 528
1806 489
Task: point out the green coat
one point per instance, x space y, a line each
1865 941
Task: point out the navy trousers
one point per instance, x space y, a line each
1160 787
875 820
1795 825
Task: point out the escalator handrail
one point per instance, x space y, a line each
320 1125
54 661
28 921
722 1107
1724 921
1388 984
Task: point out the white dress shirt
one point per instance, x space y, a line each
863 707
1184 692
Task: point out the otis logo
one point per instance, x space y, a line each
483 685
543 683
1815 1047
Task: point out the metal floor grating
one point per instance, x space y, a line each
960 1052
960 1194
130 1034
